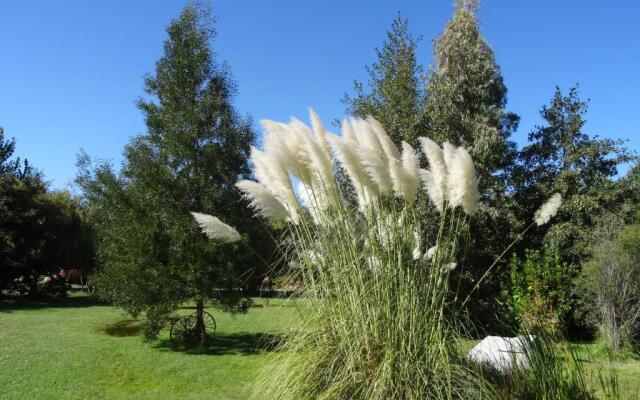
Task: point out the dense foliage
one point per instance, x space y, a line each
135 221
561 157
540 290
40 231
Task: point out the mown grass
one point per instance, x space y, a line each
80 349
627 369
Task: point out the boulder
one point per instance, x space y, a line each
502 353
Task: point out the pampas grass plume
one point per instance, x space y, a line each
436 184
463 182
548 209
216 229
262 200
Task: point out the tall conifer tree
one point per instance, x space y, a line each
395 91
466 98
465 104
196 146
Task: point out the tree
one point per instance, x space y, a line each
466 98
395 87
612 277
465 104
40 231
153 257
561 157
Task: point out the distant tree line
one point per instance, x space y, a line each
41 231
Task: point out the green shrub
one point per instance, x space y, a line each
540 290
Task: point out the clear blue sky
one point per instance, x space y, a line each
70 71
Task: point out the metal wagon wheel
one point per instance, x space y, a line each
183 329
209 323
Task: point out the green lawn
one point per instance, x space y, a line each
79 349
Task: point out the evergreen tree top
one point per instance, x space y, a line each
468 5
394 93
466 97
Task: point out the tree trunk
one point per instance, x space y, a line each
201 334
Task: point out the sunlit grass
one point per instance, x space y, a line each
82 350
78 349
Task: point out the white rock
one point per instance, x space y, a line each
501 353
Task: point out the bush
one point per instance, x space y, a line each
540 291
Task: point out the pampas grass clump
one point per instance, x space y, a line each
377 320
375 297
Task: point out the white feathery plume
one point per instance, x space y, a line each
286 144
436 185
319 132
411 166
378 169
432 252
404 173
262 200
389 148
373 156
347 130
320 167
463 182
299 133
448 155
273 176
279 144
216 229
434 190
548 209
270 172
410 160
346 152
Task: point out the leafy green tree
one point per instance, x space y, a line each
21 232
394 94
152 255
561 157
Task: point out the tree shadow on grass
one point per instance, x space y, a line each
242 343
10 304
123 328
